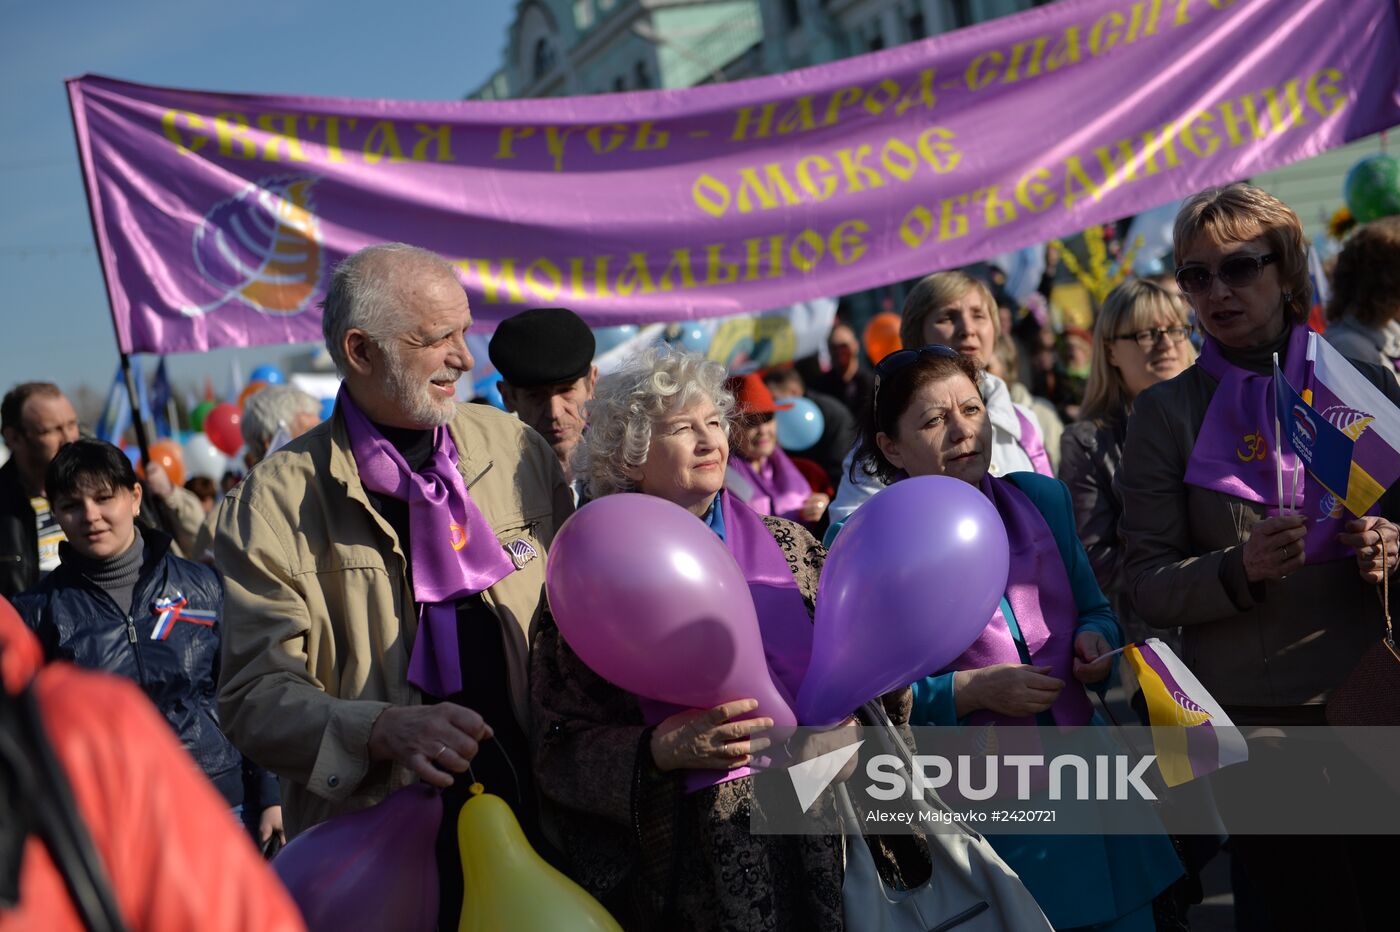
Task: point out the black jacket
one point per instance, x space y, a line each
19 537
1091 453
177 664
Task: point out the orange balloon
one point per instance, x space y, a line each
882 335
249 390
168 455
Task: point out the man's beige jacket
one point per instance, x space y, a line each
319 619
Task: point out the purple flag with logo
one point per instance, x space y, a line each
219 216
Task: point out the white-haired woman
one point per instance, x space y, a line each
1140 339
651 807
274 416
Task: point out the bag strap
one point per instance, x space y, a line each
44 785
874 714
1389 640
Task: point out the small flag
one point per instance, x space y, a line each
112 425
1321 291
1191 733
1350 403
1322 447
161 399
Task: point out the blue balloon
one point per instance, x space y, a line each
133 454
801 426
269 374
606 338
327 408
490 389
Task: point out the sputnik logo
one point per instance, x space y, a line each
811 777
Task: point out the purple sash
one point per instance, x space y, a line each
779 487
783 621
1042 600
453 552
1234 452
1033 446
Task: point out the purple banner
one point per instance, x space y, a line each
219 216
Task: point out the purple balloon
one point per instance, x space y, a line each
913 578
372 869
652 601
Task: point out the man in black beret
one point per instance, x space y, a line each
545 357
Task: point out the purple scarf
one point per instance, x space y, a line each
779 487
1234 451
454 552
1033 446
1042 600
783 621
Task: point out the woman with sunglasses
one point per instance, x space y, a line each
1050 636
1275 609
957 310
1140 339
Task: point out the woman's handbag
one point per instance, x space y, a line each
1370 695
971 888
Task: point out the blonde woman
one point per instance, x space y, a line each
954 309
1140 339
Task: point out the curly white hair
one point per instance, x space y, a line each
657 382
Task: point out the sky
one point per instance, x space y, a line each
54 318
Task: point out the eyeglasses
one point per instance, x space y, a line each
1148 338
1235 272
902 359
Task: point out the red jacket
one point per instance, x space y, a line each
175 857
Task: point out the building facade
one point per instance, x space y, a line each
570 47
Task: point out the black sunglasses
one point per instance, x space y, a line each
902 359
1235 272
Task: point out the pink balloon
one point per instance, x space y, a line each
373 869
910 582
652 601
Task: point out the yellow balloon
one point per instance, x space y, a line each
508 886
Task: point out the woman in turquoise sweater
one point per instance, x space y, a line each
1050 636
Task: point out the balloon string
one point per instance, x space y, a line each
514 774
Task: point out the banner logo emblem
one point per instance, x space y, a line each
1349 421
262 247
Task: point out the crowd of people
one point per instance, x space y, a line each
366 609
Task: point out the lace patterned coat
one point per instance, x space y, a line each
654 856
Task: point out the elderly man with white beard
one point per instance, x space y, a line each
385 570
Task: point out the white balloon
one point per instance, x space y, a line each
202 458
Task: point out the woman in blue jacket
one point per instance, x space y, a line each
1052 632
121 603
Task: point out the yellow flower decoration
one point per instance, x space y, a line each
1340 224
1099 279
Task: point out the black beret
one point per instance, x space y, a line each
542 346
